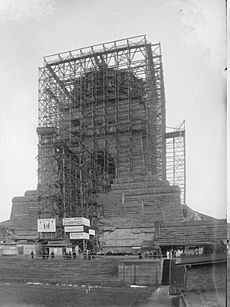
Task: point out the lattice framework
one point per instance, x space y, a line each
85 96
176 158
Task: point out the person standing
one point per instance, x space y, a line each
167 254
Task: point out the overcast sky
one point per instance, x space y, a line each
192 35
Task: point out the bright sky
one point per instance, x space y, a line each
192 35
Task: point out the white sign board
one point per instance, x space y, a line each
46 225
79 235
92 232
72 221
74 228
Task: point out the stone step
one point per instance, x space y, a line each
142 184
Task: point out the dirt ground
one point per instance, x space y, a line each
21 295
32 283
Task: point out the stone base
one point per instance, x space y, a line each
24 215
140 272
132 213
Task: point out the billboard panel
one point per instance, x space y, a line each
86 221
46 225
74 228
79 235
78 221
92 232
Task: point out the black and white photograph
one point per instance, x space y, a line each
113 153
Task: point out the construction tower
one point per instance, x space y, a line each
101 121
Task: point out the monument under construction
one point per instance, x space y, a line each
104 153
101 135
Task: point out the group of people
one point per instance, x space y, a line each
174 253
68 255
45 255
150 254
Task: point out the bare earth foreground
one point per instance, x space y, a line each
31 283
13 295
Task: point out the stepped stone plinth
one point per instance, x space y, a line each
133 212
24 214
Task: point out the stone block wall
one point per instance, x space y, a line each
24 214
130 212
194 232
177 280
140 272
202 277
206 277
